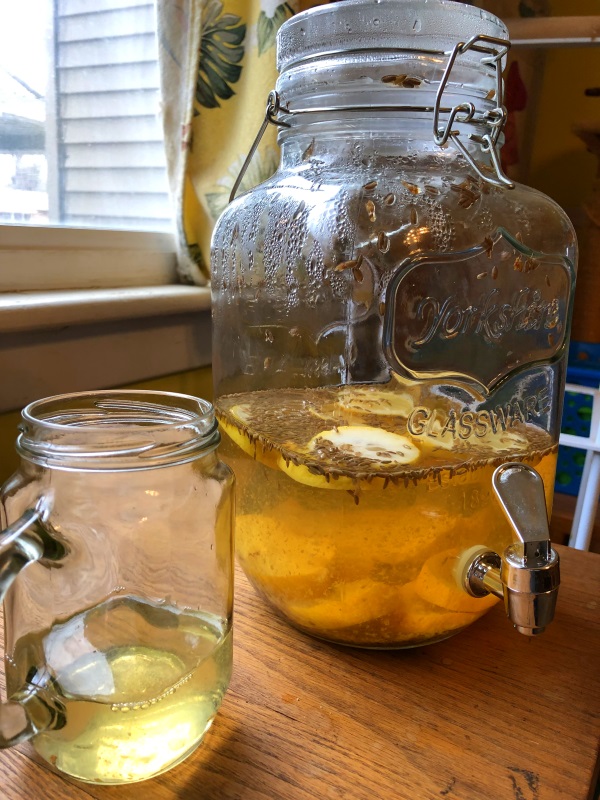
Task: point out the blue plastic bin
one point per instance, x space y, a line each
583 370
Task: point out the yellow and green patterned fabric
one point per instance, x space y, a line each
217 64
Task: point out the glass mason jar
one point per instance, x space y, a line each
118 633
391 317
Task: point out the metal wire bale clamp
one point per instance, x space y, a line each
494 50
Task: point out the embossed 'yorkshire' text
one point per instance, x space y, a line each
476 318
524 310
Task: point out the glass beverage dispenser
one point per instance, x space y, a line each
391 316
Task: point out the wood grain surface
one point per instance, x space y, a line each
486 715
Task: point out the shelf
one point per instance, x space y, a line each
554 31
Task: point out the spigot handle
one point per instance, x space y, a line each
527 574
520 492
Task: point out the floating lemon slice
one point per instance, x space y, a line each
365 441
501 441
374 400
241 414
433 438
302 474
505 441
340 448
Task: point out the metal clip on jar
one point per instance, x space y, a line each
391 316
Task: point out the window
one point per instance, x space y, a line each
87 253
80 133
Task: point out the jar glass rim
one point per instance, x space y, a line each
199 410
425 25
117 429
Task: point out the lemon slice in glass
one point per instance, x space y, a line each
374 400
347 451
437 585
253 448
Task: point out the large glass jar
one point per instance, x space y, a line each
390 323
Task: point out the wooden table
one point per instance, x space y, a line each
486 715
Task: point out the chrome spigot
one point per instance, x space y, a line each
527 575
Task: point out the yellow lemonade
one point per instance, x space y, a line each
353 515
140 685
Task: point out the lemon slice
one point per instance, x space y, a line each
374 400
500 442
437 585
394 545
348 604
254 449
341 447
433 438
505 441
287 563
302 474
416 619
365 441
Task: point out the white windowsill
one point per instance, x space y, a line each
34 259
35 311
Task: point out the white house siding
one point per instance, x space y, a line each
110 165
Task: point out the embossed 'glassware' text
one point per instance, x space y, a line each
391 317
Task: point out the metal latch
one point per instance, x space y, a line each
494 50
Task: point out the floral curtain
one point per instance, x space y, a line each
217 63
